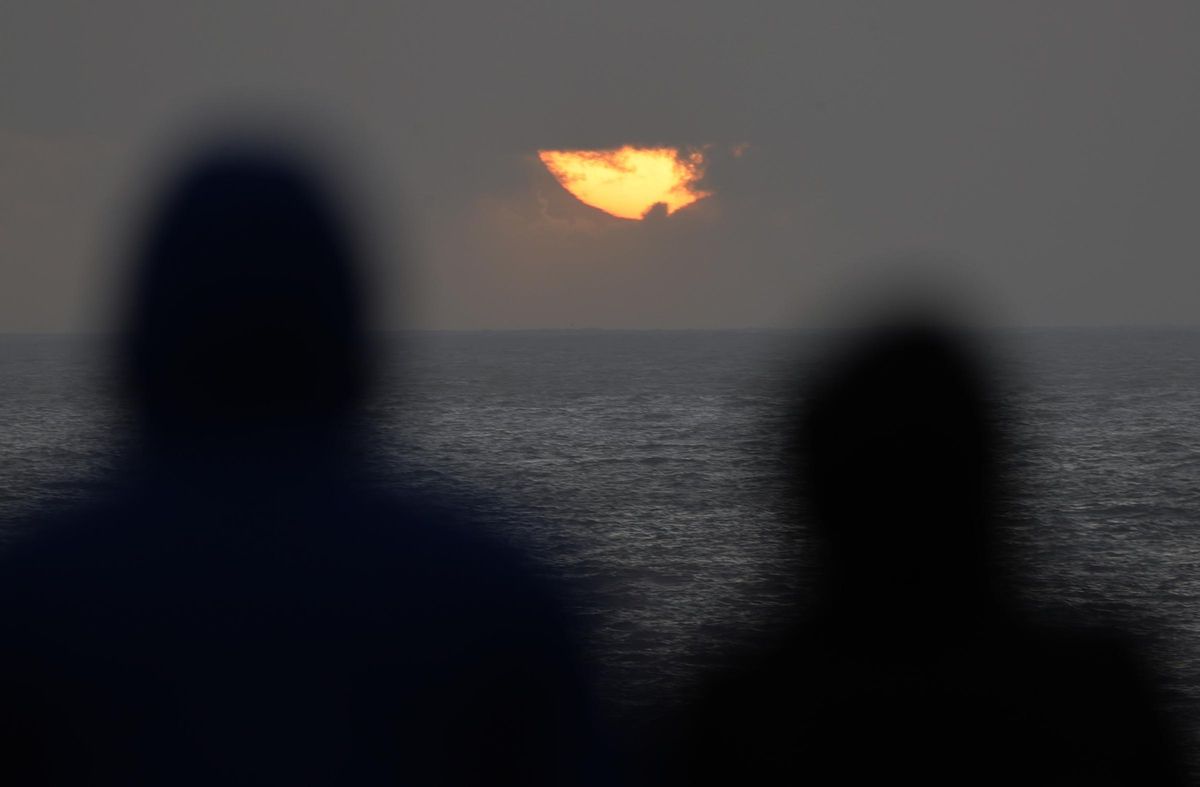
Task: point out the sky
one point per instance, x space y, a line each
1041 155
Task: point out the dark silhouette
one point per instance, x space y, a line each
912 664
247 608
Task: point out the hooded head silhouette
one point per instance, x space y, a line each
899 462
246 315
252 605
919 661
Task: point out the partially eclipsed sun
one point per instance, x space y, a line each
628 182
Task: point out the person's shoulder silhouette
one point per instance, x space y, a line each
247 608
912 664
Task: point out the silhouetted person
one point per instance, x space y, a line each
247 608
911 666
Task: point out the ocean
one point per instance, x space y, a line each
642 466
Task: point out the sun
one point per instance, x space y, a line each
627 182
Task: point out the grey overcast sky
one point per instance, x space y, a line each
1045 152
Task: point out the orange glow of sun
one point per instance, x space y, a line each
627 182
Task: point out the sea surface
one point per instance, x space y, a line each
643 466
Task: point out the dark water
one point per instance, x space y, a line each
643 464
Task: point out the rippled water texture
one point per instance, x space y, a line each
643 466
